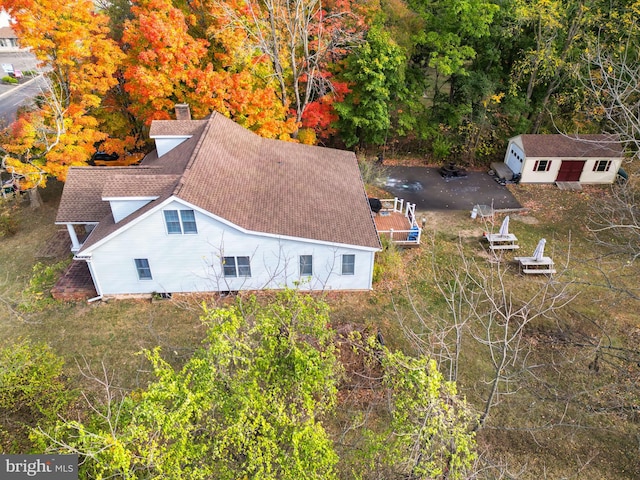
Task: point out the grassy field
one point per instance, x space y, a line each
570 411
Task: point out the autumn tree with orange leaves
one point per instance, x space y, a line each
70 39
301 38
166 65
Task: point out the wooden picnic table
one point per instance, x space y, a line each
533 266
499 241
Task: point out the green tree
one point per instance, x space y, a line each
375 72
248 404
556 30
446 45
430 435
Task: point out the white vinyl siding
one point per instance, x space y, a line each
123 208
193 263
164 145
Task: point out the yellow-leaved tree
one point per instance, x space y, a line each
79 60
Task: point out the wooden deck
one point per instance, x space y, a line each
391 221
397 227
396 221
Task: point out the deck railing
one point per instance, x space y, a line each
402 237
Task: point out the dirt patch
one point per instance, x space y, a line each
528 219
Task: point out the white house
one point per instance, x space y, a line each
217 208
8 40
588 159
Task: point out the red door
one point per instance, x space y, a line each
570 171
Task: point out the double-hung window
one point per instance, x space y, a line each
602 166
306 265
180 221
348 264
236 266
143 268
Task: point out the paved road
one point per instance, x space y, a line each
12 99
429 191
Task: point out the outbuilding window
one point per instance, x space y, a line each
602 166
542 165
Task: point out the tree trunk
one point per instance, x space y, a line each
35 201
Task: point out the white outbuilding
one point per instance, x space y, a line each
587 159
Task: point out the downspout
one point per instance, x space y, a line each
371 269
96 283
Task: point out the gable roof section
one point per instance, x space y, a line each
278 187
572 146
175 160
107 224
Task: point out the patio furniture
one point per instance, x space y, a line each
537 264
451 170
482 211
503 240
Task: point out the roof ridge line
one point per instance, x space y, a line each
194 154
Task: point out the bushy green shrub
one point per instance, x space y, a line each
388 264
373 172
8 79
37 295
32 392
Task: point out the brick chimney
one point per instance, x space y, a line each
183 112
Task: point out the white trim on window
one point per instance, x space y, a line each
348 264
143 268
183 223
306 265
233 267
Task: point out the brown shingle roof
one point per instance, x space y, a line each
81 199
278 187
259 184
175 160
138 185
571 146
